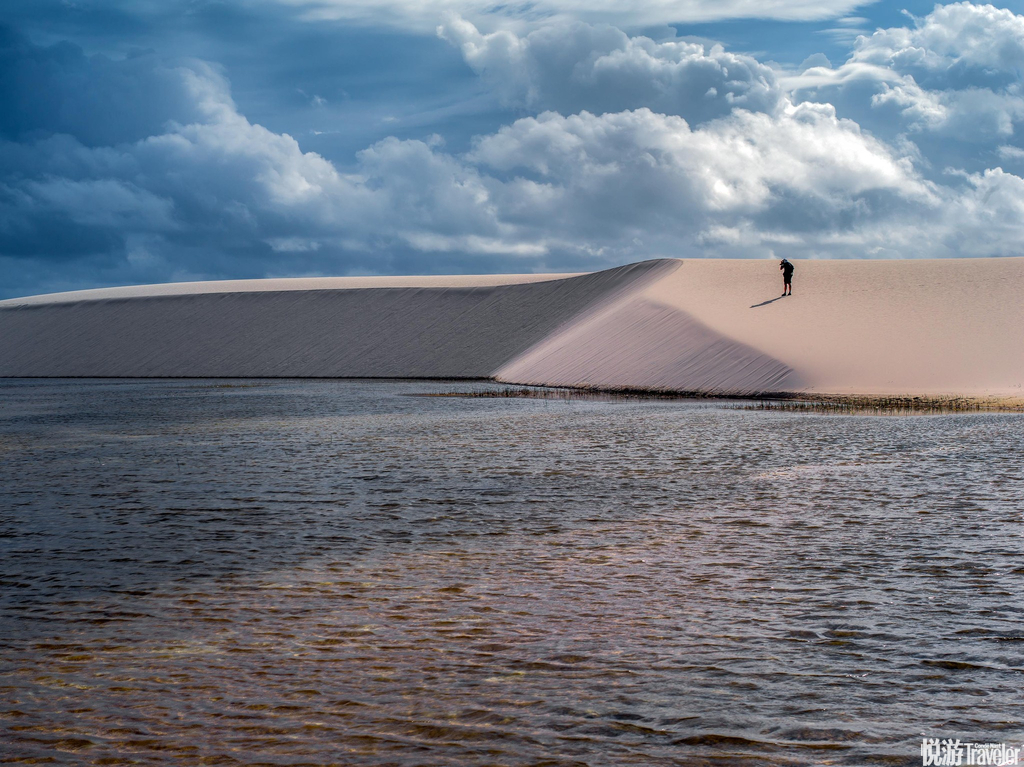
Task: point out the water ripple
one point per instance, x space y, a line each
330 572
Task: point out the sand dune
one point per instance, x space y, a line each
280 284
636 343
466 329
935 327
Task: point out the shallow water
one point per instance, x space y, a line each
331 572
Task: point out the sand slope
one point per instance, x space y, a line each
938 326
637 343
465 330
933 327
282 284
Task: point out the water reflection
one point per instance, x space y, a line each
330 572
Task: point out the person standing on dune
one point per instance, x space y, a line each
787 277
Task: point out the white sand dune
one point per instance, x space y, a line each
948 327
933 327
637 343
464 329
285 284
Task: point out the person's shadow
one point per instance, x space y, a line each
765 303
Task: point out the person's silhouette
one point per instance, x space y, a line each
787 277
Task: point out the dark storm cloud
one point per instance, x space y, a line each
135 167
336 87
98 100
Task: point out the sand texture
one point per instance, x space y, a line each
462 331
281 284
949 327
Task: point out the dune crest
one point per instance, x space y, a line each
463 330
938 327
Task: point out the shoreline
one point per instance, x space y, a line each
793 401
788 401
909 334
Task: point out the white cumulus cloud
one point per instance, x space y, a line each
572 66
954 73
423 15
638 174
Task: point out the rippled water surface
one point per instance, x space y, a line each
333 572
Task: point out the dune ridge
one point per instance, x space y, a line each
881 328
464 330
281 284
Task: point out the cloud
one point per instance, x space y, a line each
1011 153
624 167
179 175
206 193
423 15
955 45
570 67
956 73
987 219
605 180
99 101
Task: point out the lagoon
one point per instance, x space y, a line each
337 572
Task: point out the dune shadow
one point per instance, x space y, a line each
765 303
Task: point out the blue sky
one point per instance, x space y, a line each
152 141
